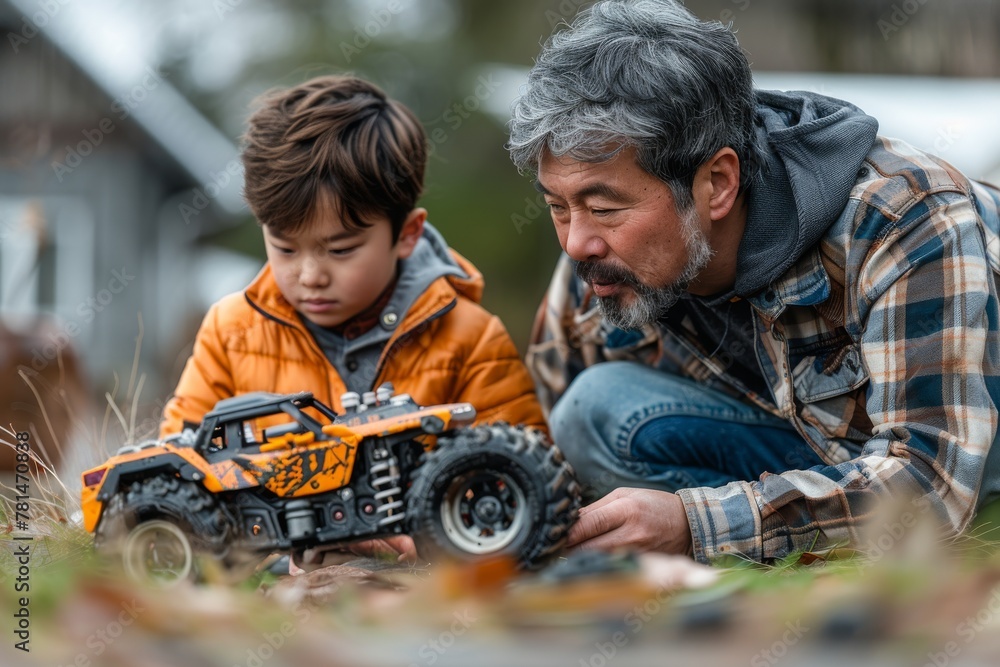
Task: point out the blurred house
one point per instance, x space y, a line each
953 118
108 179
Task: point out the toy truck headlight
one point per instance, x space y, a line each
94 477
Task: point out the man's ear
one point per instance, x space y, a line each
719 178
411 231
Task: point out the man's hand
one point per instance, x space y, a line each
641 519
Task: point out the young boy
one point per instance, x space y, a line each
358 289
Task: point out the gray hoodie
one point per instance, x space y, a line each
813 148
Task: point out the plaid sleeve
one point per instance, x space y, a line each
926 297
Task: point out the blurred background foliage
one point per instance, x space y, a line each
430 53
457 63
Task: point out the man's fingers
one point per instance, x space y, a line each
595 522
604 500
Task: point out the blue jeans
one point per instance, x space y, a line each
624 424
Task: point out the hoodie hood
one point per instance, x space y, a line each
813 147
432 259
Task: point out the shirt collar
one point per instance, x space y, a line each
806 283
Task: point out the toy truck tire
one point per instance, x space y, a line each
492 491
159 524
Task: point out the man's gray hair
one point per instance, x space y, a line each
642 73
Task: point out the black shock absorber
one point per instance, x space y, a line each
385 479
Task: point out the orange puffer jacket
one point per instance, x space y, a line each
446 349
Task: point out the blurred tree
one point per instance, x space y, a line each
430 54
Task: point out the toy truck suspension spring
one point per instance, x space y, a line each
388 493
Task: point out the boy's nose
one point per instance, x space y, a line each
312 274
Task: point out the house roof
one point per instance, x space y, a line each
164 114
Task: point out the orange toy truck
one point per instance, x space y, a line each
385 467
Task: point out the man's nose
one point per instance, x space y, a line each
583 242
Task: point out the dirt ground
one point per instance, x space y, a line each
937 607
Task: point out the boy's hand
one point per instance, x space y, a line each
399 546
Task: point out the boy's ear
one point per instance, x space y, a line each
410 233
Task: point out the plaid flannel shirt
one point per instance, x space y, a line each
881 345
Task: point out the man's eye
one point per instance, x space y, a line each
556 208
602 211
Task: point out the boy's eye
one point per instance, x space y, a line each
340 252
283 251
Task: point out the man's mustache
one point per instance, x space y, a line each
594 272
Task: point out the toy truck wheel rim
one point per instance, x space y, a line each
483 511
492 490
158 551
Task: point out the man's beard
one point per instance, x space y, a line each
650 303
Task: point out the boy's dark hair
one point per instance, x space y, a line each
337 134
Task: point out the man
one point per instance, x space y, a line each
813 307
